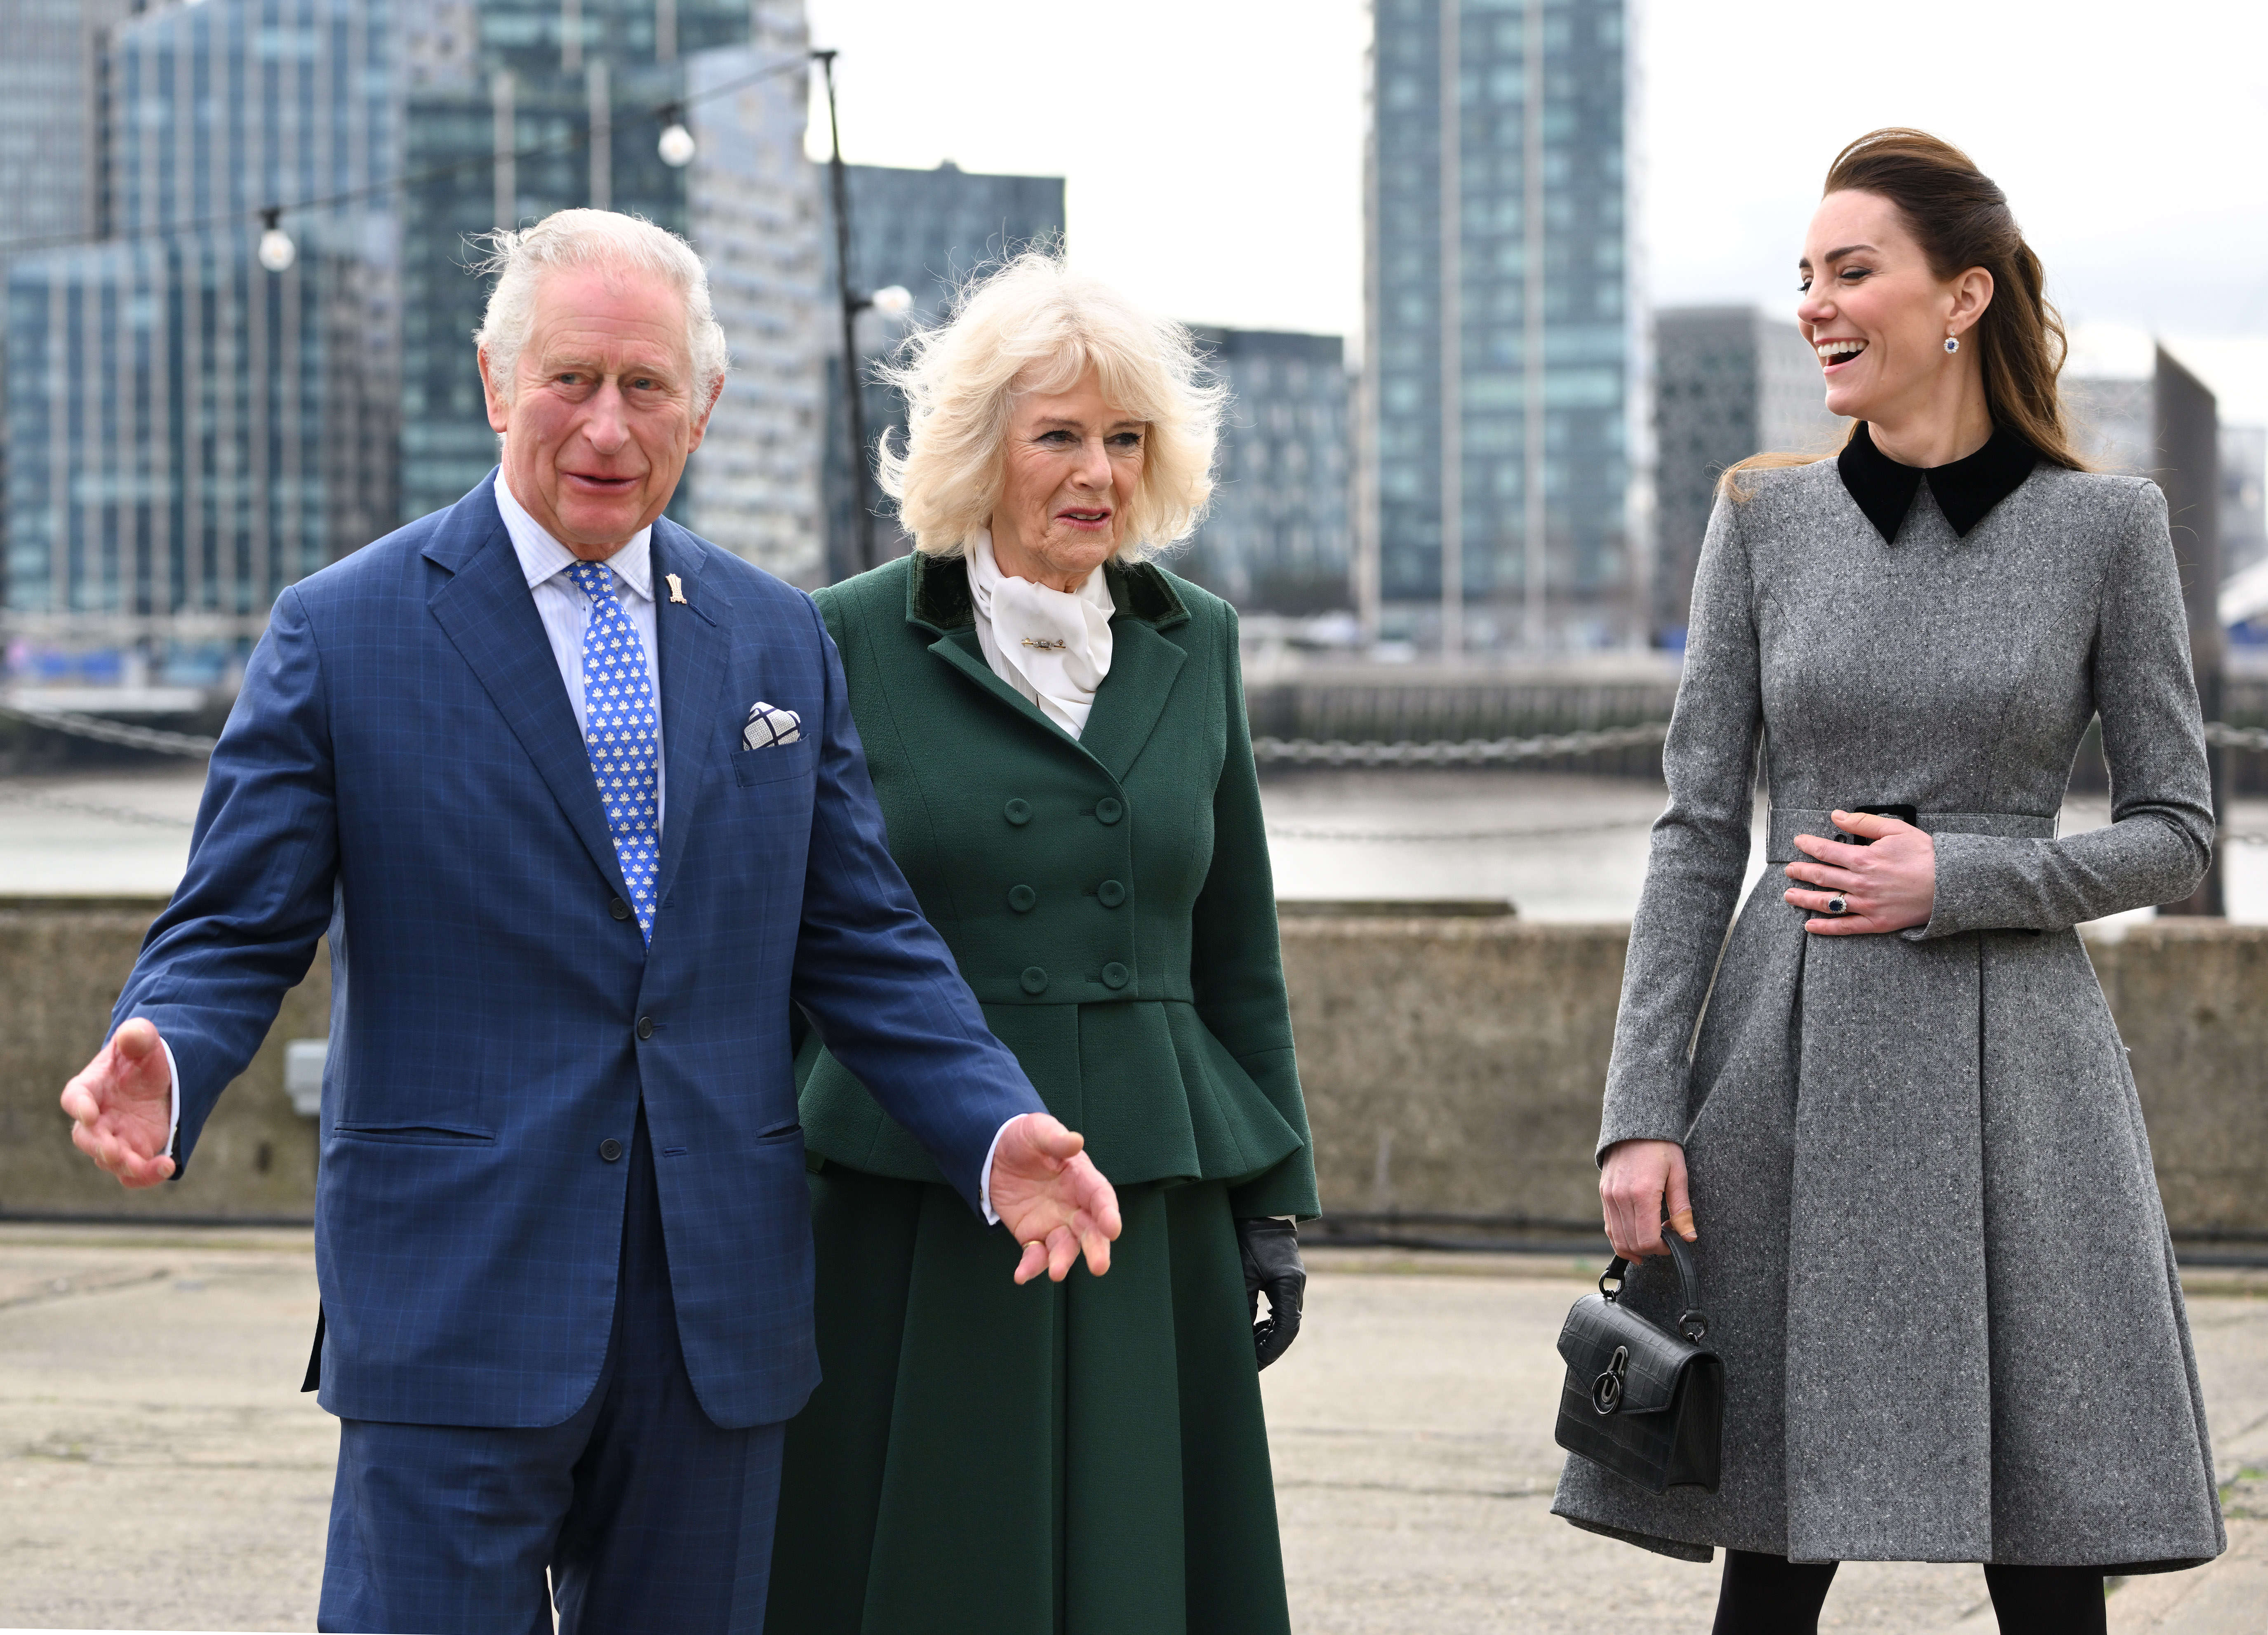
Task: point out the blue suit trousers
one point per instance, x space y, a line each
646 1514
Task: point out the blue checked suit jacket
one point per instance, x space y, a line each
402 769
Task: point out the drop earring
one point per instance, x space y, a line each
1952 344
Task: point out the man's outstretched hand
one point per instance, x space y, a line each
1050 1194
122 1104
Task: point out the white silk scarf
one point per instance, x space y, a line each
1053 647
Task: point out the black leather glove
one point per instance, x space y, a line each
1272 1267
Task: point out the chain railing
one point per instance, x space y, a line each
1506 751
1444 752
1268 751
47 800
109 732
2221 735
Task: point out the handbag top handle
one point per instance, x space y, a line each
1692 1323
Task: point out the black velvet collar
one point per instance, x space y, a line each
1965 491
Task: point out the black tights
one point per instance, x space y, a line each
1772 1596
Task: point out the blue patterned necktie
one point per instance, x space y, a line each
619 730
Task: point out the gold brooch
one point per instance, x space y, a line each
1045 644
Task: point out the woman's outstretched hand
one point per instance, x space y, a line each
1638 1180
1887 886
1048 1191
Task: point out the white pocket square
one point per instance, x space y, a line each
769 726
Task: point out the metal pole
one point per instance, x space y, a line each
862 523
506 142
1534 583
1453 337
1366 565
2185 431
602 134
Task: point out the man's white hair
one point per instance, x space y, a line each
613 242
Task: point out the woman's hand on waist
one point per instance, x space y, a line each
1888 884
1640 1183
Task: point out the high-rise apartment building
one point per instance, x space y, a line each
1276 539
2243 498
188 430
753 210
1503 347
926 232
2111 420
1728 382
50 142
50 110
520 107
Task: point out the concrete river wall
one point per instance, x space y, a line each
1453 1062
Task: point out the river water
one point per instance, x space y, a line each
1557 847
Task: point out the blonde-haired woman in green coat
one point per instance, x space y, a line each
1056 728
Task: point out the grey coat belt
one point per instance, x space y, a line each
1789 822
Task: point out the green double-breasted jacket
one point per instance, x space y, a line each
1109 898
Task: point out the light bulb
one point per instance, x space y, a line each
676 146
894 301
277 250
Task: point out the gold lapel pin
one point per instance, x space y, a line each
676 589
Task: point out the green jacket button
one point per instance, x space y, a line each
1020 898
1108 810
1114 975
1036 980
1111 893
1018 812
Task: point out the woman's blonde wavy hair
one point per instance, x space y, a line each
1033 325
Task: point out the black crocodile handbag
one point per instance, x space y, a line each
1647 1404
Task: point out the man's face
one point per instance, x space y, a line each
604 407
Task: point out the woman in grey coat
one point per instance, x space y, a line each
1931 1246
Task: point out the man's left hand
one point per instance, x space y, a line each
1050 1194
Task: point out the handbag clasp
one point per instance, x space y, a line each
1607 1390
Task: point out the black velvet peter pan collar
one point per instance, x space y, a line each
1965 491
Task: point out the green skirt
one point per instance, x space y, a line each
1081 1458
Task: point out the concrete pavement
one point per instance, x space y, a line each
159 1468
1411 1425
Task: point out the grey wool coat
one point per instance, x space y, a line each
1932 1249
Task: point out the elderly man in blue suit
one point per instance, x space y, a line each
578 798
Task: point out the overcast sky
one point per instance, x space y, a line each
1213 148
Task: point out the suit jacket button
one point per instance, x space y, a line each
1036 980
1020 898
620 910
1114 975
610 1149
645 1027
1111 893
1108 810
1018 812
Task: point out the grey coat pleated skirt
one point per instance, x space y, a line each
1931 1246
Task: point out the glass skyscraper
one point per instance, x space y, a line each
1728 382
926 230
1503 345
1276 539
50 78
188 431
520 107
49 142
